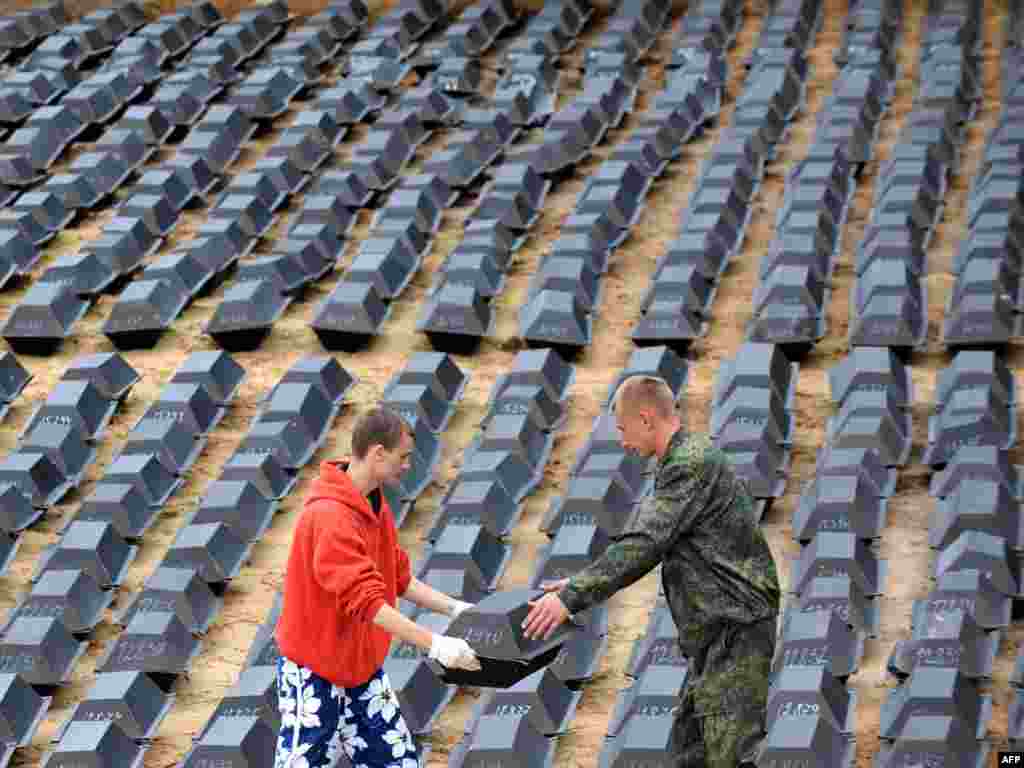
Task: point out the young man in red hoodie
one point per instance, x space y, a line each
345 574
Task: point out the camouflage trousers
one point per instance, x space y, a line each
720 719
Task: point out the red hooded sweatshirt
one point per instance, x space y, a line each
345 563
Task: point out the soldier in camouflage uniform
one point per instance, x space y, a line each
718 573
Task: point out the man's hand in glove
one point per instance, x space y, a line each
458 606
454 653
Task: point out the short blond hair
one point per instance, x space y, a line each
642 390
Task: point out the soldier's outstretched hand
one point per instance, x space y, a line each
545 616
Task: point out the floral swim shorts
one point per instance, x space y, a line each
320 722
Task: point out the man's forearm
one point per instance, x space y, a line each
427 597
396 624
621 564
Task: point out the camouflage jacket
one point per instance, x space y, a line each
699 524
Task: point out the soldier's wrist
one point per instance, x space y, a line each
569 599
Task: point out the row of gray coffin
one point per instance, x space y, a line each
985 305
99 98
51 307
22 29
473 273
683 287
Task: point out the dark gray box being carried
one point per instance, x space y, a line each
493 627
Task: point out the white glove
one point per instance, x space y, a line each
458 606
453 652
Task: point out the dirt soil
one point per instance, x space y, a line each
248 599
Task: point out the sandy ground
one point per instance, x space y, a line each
248 598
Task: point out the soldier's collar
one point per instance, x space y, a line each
673 443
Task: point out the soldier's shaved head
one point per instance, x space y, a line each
645 415
643 392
